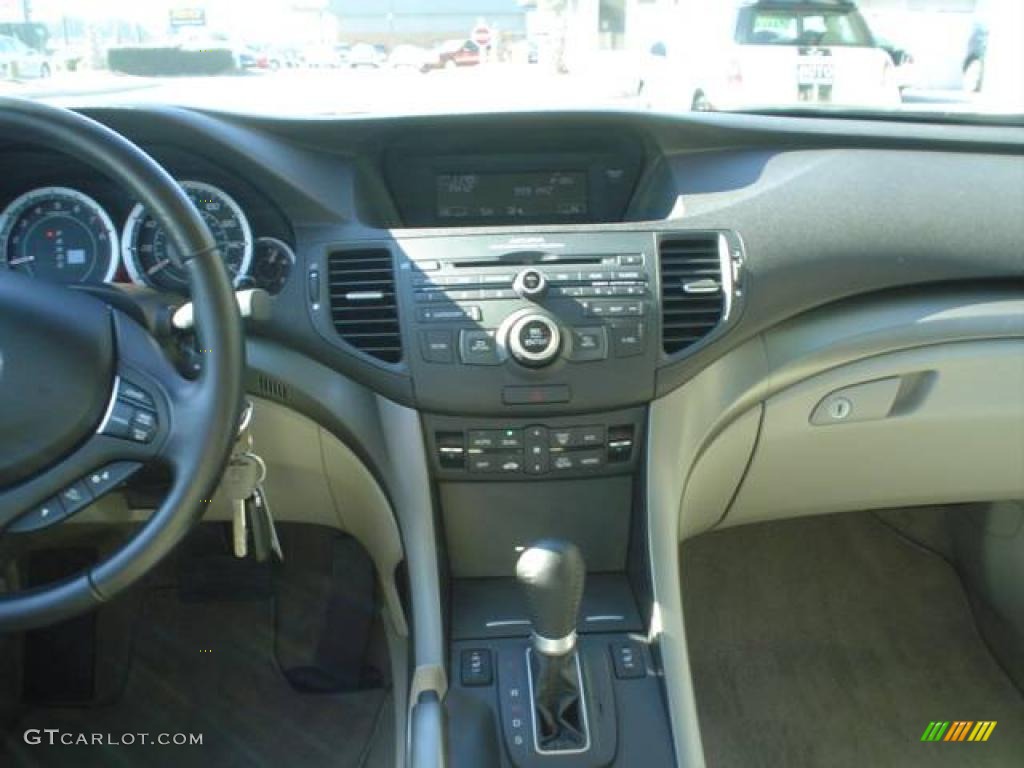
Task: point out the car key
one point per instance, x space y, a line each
244 473
264 531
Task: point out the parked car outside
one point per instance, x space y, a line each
18 61
409 57
363 56
456 53
770 52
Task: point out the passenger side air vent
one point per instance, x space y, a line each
693 298
364 307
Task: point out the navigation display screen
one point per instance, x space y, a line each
542 194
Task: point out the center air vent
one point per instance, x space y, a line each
692 292
364 307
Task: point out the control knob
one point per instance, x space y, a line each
534 339
530 284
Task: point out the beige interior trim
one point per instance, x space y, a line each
312 478
951 431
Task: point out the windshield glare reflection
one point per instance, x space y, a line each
327 57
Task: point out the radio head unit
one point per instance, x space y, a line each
562 322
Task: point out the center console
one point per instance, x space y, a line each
533 359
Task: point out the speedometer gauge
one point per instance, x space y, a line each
61 235
151 258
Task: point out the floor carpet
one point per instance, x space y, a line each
209 668
834 642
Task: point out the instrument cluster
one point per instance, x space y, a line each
63 235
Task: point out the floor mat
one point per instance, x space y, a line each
833 642
208 668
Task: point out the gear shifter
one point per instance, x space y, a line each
551 573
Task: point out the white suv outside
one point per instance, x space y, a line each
741 55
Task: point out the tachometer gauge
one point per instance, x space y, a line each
272 262
151 258
61 235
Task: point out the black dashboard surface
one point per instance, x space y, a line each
826 209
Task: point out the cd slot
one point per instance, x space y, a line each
530 258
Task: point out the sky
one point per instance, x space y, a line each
255 19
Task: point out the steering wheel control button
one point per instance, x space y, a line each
588 344
534 340
119 424
135 394
46 514
132 415
436 346
478 348
109 477
530 284
75 497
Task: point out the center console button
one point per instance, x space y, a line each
588 344
577 437
628 339
496 462
478 348
483 439
590 459
436 346
563 462
476 667
538 456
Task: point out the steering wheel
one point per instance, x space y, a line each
75 375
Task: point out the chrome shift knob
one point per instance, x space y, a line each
552 575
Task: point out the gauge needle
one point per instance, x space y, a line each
157 267
22 260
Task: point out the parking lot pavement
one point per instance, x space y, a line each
497 87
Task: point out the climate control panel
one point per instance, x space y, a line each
561 322
564 448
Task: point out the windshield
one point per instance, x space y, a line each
937 58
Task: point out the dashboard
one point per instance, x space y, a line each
575 325
517 265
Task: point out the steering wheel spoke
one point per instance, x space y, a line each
148 402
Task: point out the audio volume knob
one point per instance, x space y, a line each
534 340
530 283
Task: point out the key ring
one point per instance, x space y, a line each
261 463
